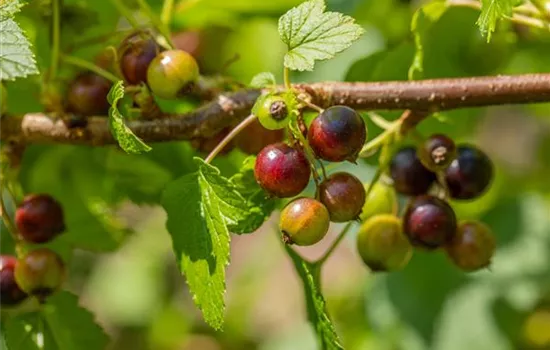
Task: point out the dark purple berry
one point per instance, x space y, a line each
87 95
39 218
10 293
437 152
470 174
40 272
472 247
135 53
281 170
337 134
344 195
409 176
429 222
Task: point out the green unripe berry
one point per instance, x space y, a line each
172 73
40 272
304 221
382 199
273 111
382 244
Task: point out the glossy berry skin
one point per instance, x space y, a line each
337 134
344 196
470 174
382 199
39 218
253 138
304 221
172 73
10 293
382 244
409 176
281 170
87 95
472 247
40 272
272 111
437 152
429 222
136 53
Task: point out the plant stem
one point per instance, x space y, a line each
55 40
78 62
161 27
380 121
311 105
5 215
166 13
126 13
334 244
286 78
236 130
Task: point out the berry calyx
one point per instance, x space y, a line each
437 152
409 176
472 247
10 293
344 196
382 244
281 170
337 134
253 138
382 199
136 53
172 73
304 221
40 272
470 174
273 111
87 95
429 222
39 218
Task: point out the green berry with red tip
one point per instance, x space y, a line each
10 292
40 272
472 247
344 196
304 221
172 74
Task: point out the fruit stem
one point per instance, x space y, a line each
380 121
236 130
5 215
311 105
443 183
286 78
295 131
162 28
126 13
379 140
55 40
322 168
334 244
78 62
166 13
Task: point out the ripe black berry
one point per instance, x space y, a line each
39 218
382 245
470 174
429 222
344 195
10 293
437 152
136 53
410 177
281 170
254 137
172 73
87 95
304 221
337 134
40 273
472 247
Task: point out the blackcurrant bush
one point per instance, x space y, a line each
172 73
409 176
39 218
437 152
40 272
337 134
429 222
254 137
304 221
382 199
344 196
382 244
470 174
10 293
87 95
136 53
272 111
281 170
472 247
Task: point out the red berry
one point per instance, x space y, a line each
429 222
337 134
40 273
344 195
472 247
437 152
281 170
254 137
409 176
470 174
87 95
39 218
304 221
10 293
136 52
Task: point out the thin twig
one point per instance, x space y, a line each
236 130
75 61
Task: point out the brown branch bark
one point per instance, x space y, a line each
227 109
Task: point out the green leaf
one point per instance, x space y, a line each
263 79
315 302
422 20
16 56
491 12
127 140
312 34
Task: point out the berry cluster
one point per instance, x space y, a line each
40 272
